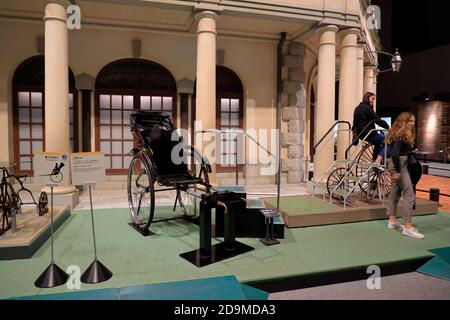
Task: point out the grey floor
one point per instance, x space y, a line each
408 286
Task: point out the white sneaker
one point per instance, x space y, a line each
412 233
394 225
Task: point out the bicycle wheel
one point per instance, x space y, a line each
56 178
8 201
379 184
141 192
43 203
334 179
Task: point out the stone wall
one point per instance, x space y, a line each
294 113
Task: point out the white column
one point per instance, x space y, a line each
326 79
369 78
374 88
360 73
348 94
57 129
206 79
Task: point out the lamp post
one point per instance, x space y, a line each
396 61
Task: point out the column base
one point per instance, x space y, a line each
64 196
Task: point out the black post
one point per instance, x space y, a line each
86 120
205 229
434 194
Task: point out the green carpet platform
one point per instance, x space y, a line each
137 260
308 211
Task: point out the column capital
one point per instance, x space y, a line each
202 13
56 10
349 31
63 3
206 21
324 28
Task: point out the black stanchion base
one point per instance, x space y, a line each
145 232
269 242
96 273
53 276
219 252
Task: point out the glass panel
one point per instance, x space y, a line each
24 131
105 116
105 146
71 131
156 103
128 102
24 99
116 102
167 103
24 147
234 119
25 163
70 100
234 105
70 115
126 117
117 147
225 105
105 132
224 121
36 99
127 161
105 102
24 115
145 103
127 133
127 146
37 131
117 162
37 146
170 114
72 145
107 162
117 117
36 115
116 132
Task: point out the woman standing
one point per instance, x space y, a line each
401 139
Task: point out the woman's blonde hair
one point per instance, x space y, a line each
400 130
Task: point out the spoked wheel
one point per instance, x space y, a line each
379 184
189 204
43 203
334 179
141 192
8 201
56 178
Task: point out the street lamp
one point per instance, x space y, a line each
396 61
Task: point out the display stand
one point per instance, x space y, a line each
270 239
230 205
96 272
53 275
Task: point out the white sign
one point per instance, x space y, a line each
51 167
87 166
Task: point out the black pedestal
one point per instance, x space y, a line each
229 204
270 239
96 273
218 253
53 276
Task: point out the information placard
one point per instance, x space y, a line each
51 167
87 166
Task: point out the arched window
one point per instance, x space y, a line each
120 87
229 115
29 112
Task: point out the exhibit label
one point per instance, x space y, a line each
51 167
87 166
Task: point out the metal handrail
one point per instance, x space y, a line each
329 131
